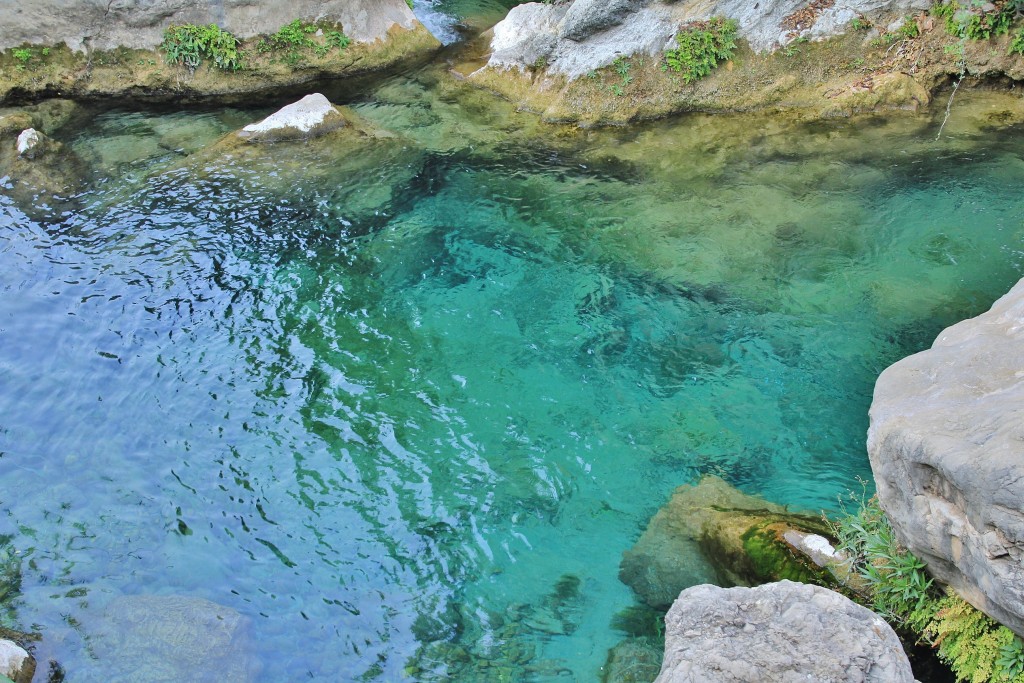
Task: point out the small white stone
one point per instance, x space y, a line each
27 140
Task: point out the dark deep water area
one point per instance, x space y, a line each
403 403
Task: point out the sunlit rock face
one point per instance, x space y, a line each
947 448
781 631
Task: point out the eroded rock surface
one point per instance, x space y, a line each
946 444
785 631
574 39
98 24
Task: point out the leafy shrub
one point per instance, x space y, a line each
976 648
974 22
297 36
189 45
1017 46
701 46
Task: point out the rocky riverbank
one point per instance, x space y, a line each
82 50
597 63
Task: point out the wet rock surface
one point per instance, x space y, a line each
712 533
784 632
947 426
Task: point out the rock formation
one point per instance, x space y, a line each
139 24
95 49
947 449
574 39
310 117
784 631
712 533
15 663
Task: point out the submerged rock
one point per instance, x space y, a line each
310 117
634 660
16 663
148 638
35 169
712 533
945 443
781 631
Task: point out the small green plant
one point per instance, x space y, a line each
409 3
976 648
701 46
977 21
909 30
793 48
190 45
45 52
22 55
1017 45
860 24
297 36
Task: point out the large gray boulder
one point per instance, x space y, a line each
784 632
946 444
585 35
107 24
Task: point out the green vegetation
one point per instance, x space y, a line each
621 67
860 24
10 580
190 45
22 55
975 647
977 21
1017 46
298 36
701 46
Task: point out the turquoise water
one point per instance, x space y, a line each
404 402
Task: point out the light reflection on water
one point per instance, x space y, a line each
403 404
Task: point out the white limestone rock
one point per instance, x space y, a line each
310 117
15 662
28 140
586 35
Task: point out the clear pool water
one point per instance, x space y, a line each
403 402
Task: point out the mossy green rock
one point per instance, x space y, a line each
712 533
